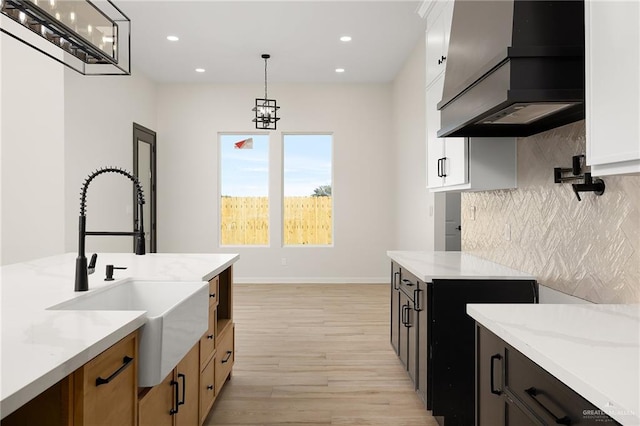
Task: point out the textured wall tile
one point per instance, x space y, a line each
589 249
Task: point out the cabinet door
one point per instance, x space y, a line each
395 306
456 164
435 145
612 88
107 381
435 49
207 388
403 338
188 376
490 360
155 407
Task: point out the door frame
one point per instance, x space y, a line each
147 136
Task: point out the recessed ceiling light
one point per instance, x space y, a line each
200 69
173 38
345 38
339 70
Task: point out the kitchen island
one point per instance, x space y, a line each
40 347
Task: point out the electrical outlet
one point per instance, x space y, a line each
507 232
283 261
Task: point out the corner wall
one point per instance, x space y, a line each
32 153
413 205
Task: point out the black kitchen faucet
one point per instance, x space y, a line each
82 277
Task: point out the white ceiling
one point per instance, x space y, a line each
228 37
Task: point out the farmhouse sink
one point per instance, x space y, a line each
177 316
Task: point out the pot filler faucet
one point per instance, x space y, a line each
82 273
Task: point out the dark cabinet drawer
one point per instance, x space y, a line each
548 399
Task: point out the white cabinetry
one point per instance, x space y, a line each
458 164
613 86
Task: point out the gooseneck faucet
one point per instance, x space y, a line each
82 277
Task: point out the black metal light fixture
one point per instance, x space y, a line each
266 109
90 37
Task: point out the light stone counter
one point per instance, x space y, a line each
593 349
40 347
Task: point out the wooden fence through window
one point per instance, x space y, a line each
245 221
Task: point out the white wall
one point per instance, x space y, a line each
99 116
413 203
189 120
32 153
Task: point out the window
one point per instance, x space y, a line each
307 203
244 189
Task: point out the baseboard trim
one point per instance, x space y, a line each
310 280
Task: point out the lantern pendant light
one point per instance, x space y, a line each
266 110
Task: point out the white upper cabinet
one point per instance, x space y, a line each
437 38
613 86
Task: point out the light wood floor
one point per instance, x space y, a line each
315 355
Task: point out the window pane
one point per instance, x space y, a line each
244 189
308 204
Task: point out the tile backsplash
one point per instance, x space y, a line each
588 249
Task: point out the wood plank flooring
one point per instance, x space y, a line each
315 354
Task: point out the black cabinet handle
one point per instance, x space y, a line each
533 392
396 276
126 361
416 300
226 358
407 322
439 167
402 316
209 387
444 170
210 336
491 373
212 295
174 410
184 387
408 282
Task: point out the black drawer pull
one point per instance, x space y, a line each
209 387
407 282
175 409
416 300
533 392
212 295
210 336
396 275
403 318
126 361
226 358
184 387
493 389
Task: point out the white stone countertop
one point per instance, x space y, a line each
429 265
40 347
593 349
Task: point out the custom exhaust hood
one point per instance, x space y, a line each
514 67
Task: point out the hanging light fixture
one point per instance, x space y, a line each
266 109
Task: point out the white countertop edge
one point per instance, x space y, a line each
425 269
10 403
588 392
221 268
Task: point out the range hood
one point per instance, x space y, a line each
514 67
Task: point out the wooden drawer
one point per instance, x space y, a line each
225 356
207 389
545 396
208 340
213 291
107 381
